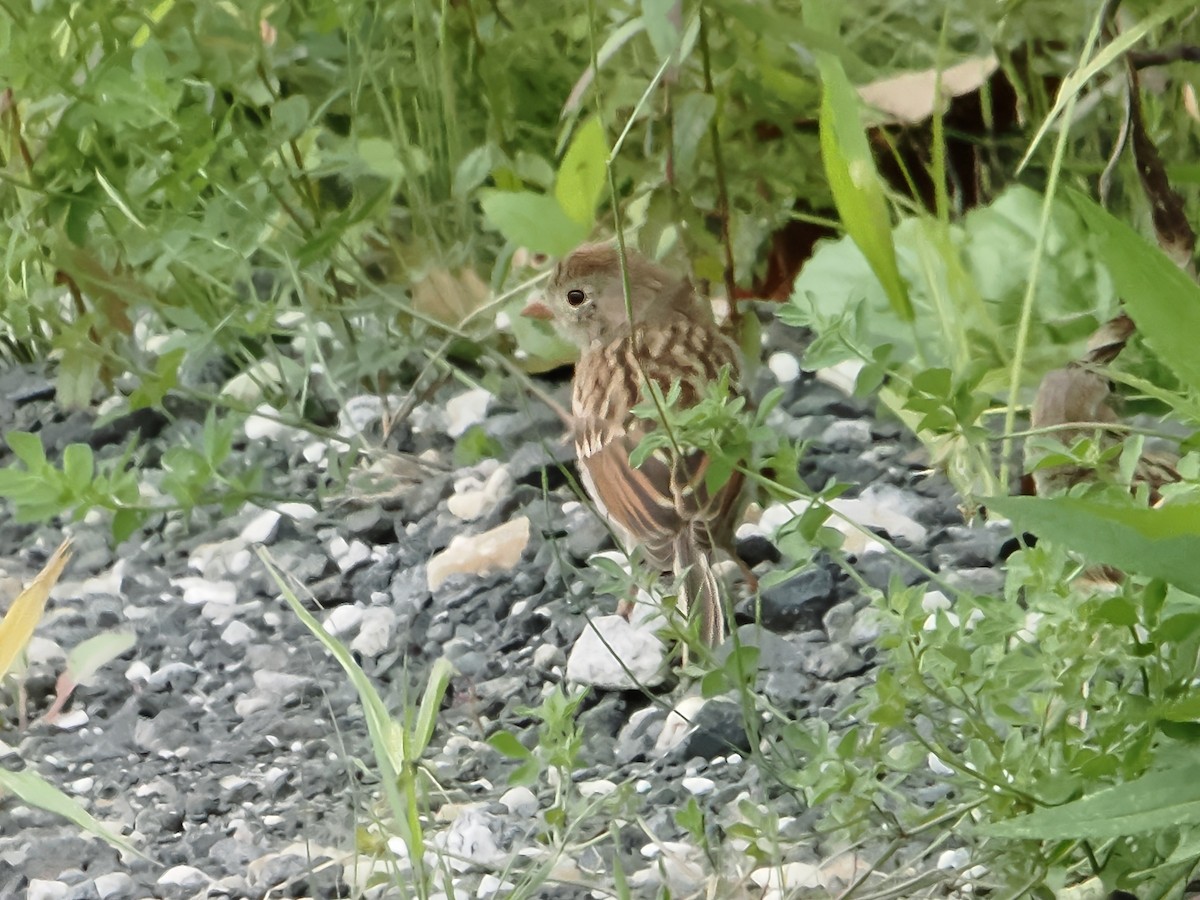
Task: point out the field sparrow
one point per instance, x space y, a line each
667 334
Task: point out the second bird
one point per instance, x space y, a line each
667 334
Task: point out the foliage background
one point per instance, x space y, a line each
224 208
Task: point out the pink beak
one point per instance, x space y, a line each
536 309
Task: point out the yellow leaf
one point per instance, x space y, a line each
26 611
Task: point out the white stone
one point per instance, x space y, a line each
262 528
244 387
198 591
220 558
138 672
600 787
678 723
547 656
348 555
953 859
521 802
677 865
879 506
843 375
238 633
184 876
847 431
113 884
934 600
496 550
471 840
344 619
490 885
72 721
375 632
44 889
467 409
469 505
82 785
264 425
936 766
612 653
784 366
787 877
106 583
698 786
358 413
43 651
300 512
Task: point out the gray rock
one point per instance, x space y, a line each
799 603
839 621
833 661
611 653
718 729
114 886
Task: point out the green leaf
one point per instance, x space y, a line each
87 657
506 743
474 169
535 221
857 189
1161 543
77 376
583 172
290 116
27 448
660 27
125 522
380 157
431 702
475 445
1161 298
1111 51
78 467
1158 800
31 788
693 114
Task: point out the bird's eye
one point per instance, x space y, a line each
576 297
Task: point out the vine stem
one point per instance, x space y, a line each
714 132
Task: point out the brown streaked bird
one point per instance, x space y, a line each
666 334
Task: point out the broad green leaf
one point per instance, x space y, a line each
534 221
693 114
78 467
26 611
506 743
31 788
1158 800
583 172
474 169
27 448
857 189
660 26
87 657
77 376
290 116
1161 298
1160 543
380 157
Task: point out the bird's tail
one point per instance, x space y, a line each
699 593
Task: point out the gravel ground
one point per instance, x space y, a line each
224 744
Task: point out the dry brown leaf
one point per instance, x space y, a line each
908 98
449 297
26 611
